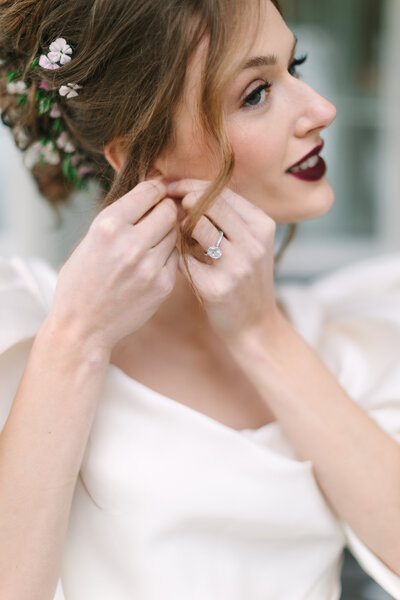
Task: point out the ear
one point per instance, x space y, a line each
114 152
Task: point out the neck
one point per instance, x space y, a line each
181 311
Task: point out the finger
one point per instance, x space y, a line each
154 227
222 215
207 235
138 201
184 186
160 253
246 210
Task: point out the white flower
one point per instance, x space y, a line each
16 87
69 90
64 142
38 151
59 51
84 170
46 63
32 155
51 154
55 112
21 137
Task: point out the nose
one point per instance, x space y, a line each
316 112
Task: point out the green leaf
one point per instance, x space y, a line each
58 125
22 100
41 108
66 165
12 75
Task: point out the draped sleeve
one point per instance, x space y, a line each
26 290
352 319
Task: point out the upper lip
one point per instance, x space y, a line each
313 152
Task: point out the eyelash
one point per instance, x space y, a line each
267 85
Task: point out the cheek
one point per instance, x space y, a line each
259 155
192 156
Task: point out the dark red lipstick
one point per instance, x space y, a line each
311 167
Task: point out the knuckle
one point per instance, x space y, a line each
242 270
106 225
146 273
257 250
220 290
269 226
131 255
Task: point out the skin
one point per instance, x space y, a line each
267 139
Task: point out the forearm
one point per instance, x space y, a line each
41 450
356 463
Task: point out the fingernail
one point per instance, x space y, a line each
153 187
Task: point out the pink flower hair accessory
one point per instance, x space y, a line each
56 146
58 56
69 90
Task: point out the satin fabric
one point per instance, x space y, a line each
171 504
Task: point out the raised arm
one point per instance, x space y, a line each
113 282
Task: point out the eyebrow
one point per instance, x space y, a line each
267 60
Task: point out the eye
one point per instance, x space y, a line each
257 96
296 63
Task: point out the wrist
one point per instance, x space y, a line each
265 333
263 348
65 334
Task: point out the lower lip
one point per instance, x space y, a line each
313 174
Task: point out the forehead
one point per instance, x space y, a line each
262 32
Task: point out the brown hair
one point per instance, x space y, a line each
131 59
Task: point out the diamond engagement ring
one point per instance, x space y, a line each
214 251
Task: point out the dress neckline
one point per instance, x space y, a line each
183 407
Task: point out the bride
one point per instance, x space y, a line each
175 426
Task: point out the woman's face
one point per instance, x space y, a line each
271 128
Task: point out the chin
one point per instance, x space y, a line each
316 204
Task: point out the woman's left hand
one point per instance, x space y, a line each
238 288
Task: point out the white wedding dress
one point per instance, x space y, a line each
173 505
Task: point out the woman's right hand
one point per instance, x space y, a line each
122 270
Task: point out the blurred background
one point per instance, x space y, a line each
353 49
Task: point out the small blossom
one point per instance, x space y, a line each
46 63
69 90
16 87
50 154
84 170
38 151
44 85
59 51
76 158
21 137
55 112
64 142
